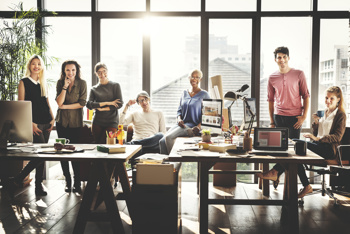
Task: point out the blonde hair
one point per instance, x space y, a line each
42 79
339 94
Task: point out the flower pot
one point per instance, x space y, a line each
206 138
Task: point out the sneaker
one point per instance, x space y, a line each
39 190
77 189
304 191
269 175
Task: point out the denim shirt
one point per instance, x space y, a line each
190 108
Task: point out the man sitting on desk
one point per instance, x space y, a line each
149 125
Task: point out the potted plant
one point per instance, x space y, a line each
20 39
206 135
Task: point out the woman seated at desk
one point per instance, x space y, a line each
189 113
327 134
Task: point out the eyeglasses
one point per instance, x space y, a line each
195 78
143 100
101 72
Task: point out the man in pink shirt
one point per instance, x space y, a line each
286 88
288 98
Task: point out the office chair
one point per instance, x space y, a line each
338 169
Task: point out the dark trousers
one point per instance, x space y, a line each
99 133
325 150
149 145
37 164
288 122
73 135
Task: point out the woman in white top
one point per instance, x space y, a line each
327 134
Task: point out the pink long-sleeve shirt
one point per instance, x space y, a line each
287 90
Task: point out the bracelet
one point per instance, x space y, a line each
64 89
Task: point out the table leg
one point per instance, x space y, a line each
266 183
124 181
99 173
204 195
293 217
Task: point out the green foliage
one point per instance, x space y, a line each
206 131
18 42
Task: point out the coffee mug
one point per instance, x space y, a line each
300 148
63 141
320 113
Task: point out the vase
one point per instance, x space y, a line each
206 138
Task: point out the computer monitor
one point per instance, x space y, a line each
15 122
212 115
247 116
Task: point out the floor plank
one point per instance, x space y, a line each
57 212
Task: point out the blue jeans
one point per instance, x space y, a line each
167 142
149 144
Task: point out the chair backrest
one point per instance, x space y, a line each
346 137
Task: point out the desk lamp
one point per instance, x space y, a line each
230 96
252 115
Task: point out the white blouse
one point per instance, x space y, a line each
325 124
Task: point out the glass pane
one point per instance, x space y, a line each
230 57
294 33
67 5
121 50
121 5
174 52
175 5
334 5
8 5
68 43
230 5
334 60
278 5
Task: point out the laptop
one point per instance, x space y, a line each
270 141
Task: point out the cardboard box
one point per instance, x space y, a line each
159 174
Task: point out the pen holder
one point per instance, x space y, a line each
110 141
247 142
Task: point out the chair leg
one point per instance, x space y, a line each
323 185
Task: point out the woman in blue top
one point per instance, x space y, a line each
189 113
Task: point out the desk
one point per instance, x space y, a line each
290 196
98 174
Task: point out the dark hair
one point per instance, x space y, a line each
77 66
281 49
99 65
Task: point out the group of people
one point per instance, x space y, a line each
288 99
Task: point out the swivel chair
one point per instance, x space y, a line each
338 169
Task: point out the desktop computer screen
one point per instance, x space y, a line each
212 115
16 122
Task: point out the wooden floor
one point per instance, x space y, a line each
56 213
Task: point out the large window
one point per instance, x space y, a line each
334 54
294 33
174 53
121 50
68 41
230 57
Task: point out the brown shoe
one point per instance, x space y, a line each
269 175
304 191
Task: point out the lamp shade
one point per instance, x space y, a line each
230 96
